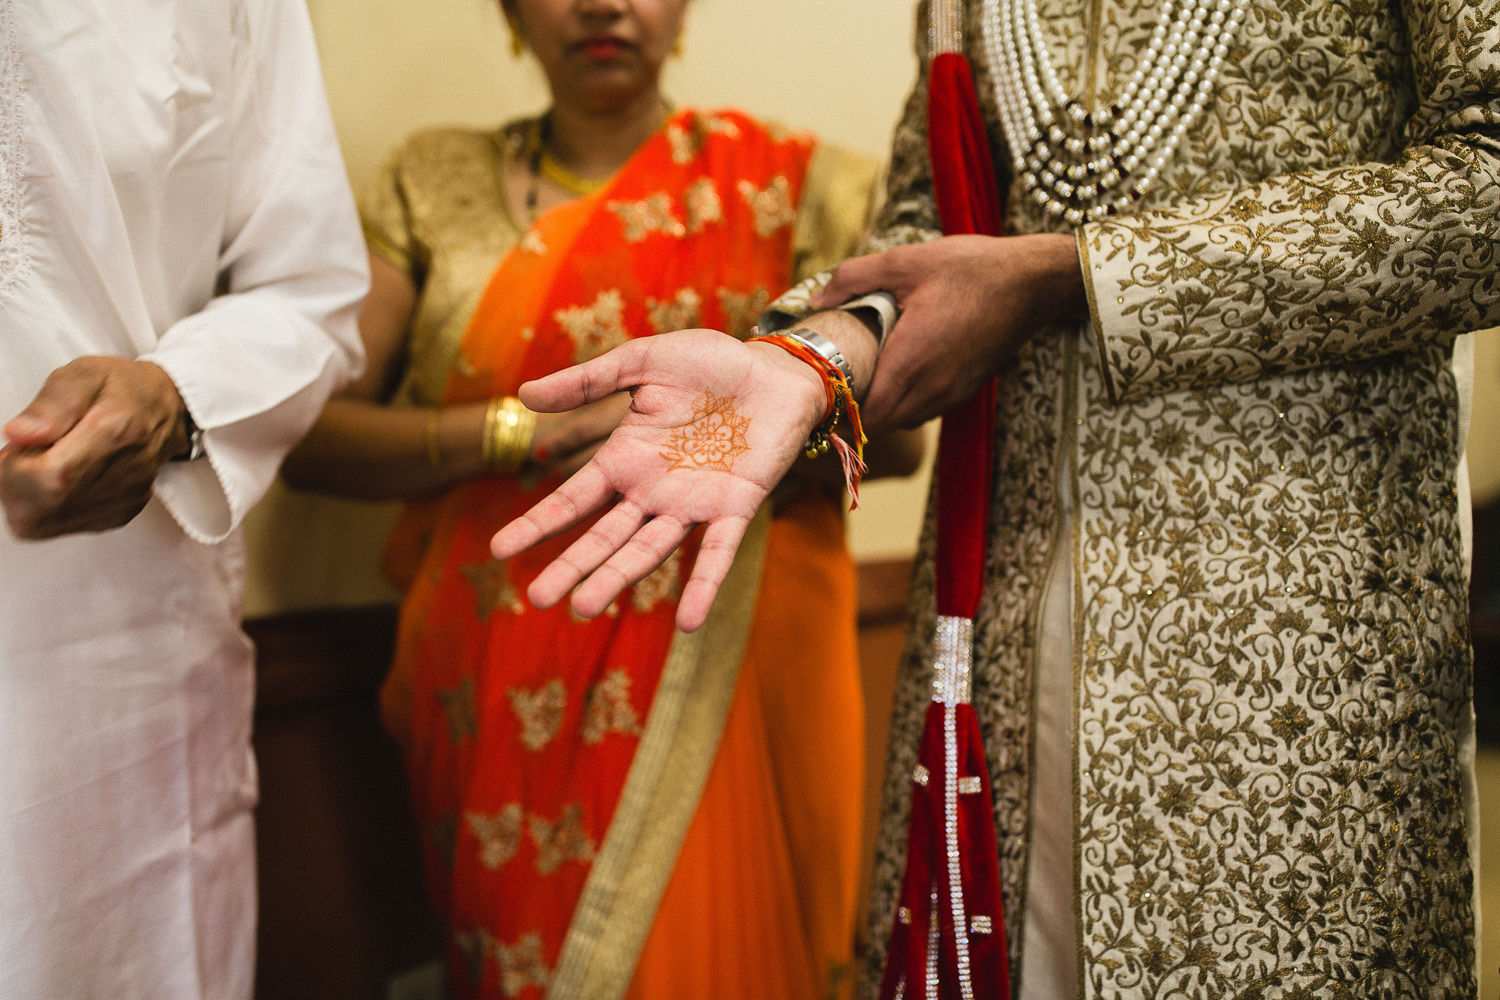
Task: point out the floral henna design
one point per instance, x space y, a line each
713 439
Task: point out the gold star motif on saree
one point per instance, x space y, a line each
742 310
663 584
540 712
608 709
723 126
677 313
771 205
596 328
522 966
561 840
649 215
685 142
499 835
493 588
533 243
703 205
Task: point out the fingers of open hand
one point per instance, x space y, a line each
566 506
650 543
715 556
606 537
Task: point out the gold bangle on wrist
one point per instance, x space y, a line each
487 438
434 446
508 429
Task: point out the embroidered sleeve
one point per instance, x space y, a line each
1319 267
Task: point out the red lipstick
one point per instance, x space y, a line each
603 47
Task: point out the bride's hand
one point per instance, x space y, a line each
712 427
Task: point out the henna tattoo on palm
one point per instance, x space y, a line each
713 439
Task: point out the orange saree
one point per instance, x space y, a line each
612 808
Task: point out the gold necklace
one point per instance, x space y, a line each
550 168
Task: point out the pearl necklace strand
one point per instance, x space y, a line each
1083 164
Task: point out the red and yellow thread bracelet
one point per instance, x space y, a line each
840 403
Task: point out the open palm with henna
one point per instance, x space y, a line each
713 426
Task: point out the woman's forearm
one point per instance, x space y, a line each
371 451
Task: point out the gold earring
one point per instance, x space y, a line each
677 46
517 47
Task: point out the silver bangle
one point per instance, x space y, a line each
822 346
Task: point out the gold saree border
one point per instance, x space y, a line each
661 793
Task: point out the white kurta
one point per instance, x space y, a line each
171 189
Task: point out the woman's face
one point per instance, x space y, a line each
599 54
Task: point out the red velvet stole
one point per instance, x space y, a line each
948 939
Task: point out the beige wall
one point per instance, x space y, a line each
1484 423
840 67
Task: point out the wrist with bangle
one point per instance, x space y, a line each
508 431
824 357
505 438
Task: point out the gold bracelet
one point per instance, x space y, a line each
487 439
434 446
508 437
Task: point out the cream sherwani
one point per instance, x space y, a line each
170 189
1223 661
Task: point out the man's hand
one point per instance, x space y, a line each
84 454
713 426
968 303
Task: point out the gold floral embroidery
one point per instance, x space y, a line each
561 840
703 205
1266 558
608 708
499 835
723 126
679 313
596 328
522 965
460 707
685 143
772 205
540 712
742 310
663 584
474 946
714 437
650 215
493 588
533 243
